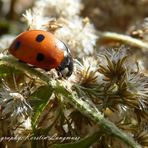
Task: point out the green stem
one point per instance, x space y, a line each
108 126
122 38
73 99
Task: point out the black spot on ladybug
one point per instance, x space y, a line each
40 57
40 38
17 45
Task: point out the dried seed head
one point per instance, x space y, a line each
35 19
112 66
86 73
73 31
14 106
142 138
63 8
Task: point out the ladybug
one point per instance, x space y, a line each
42 50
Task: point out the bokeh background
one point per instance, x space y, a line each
111 15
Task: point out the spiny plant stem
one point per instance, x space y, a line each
108 126
73 99
122 38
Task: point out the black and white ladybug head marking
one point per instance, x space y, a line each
66 66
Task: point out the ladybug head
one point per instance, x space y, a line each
66 67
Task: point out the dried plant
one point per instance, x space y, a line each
103 103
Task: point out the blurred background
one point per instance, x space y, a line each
112 15
11 15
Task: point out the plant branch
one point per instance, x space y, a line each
73 99
122 38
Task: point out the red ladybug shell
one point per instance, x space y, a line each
38 48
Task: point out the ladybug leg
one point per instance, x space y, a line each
22 61
46 70
58 72
32 66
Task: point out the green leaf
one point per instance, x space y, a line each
7 70
41 97
83 143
